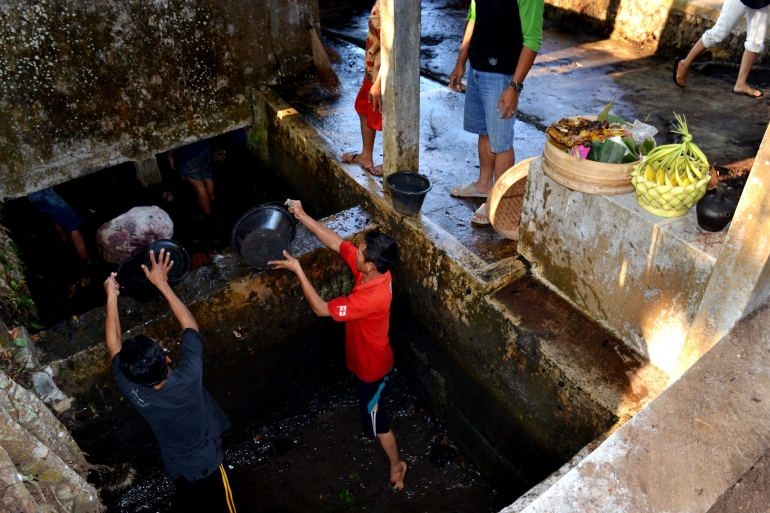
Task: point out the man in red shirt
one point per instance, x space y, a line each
366 314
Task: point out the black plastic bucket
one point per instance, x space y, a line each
131 277
262 233
408 191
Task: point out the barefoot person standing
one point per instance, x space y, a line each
185 419
369 99
366 314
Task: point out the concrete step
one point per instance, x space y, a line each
590 360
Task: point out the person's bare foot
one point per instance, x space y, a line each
748 91
681 73
397 474
366 163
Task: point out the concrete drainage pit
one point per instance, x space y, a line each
482 404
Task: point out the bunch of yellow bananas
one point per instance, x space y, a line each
675 164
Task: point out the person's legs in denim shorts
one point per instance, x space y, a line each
198 173
495 146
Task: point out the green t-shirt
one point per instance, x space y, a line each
531 14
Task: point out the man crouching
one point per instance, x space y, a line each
366 314
185 419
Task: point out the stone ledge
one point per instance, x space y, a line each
640 276
690 445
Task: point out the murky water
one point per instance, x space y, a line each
296 444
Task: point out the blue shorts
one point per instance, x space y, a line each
198 167
54 206
482 96
374 422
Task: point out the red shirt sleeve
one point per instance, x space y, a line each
348 253
351 308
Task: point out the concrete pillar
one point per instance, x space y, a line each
148 172
740 281
400 70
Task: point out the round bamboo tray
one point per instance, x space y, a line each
506 199
585 175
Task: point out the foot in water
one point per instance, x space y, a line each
397 476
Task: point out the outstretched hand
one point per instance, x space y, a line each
295 207
111 285
158 275
290 264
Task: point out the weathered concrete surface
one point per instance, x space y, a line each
400 71
690 445
86 85
740 281
639 275
578 73
560 402
229 289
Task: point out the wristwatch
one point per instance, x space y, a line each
517 86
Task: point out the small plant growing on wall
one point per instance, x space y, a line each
16 307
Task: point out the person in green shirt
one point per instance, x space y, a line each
501 53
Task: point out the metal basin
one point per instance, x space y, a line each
131 277
263 233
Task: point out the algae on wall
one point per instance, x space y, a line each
88 84
16 307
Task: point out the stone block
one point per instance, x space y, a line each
640 276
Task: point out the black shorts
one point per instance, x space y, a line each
374 422
211 494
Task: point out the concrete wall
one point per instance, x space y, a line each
696 441
88 84
666 27
639 275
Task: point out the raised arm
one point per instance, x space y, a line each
158 276
325 235
112 322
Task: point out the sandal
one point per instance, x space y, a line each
467 190
482 211
350 158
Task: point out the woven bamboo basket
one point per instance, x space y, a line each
507 198
585 175
667 200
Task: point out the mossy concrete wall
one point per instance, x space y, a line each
85 85
666 27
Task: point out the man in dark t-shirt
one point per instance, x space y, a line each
183 416
502 38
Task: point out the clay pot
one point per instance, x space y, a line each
715 211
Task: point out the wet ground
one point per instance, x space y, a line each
577 74
61 287
574 74
297 447
448 155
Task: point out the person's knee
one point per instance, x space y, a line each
754 46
